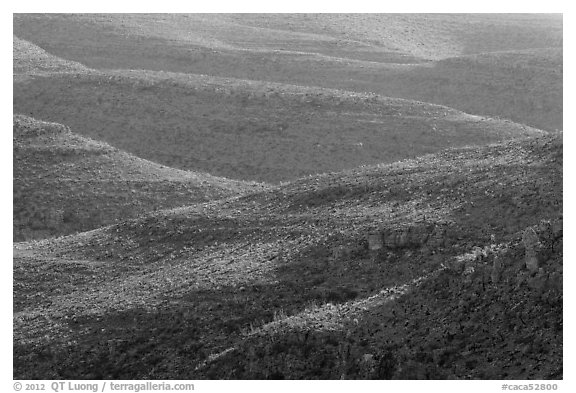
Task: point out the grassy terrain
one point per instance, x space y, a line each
250 130
407 56
253 288
65 183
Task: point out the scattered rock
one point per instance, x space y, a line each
531 243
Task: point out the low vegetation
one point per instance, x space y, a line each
203 291
30 59
410 226
250 130
428 58
65 183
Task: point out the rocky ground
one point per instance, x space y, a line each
64 183
445 266
483 316
413 229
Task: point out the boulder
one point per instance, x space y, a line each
417 236
375 241
545 233
531 243
496 272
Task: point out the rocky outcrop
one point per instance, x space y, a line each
375 242
531 260
427 234
539 242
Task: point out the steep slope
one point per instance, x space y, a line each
65 183
393 55
247 129
204 291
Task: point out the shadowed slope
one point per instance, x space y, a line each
491 318
172 291
65 183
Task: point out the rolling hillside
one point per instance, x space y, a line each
31 59
524 86
297 196
385 38
286 283
415 56
250 130
65 183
